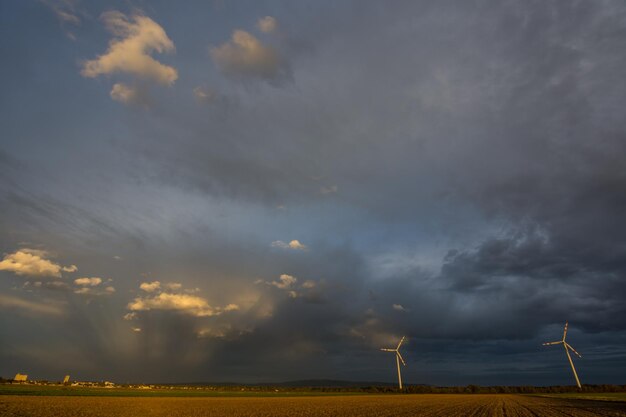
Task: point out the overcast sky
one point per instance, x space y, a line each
273 190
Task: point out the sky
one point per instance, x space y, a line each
264 191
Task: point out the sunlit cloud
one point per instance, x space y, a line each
188 304
398 307
92 286
150 286
129 51
33 262
246 56
284 281
291 286
267 24
231 307
294 244
92 282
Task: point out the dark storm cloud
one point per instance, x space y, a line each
488 95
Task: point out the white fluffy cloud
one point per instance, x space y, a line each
92 286
231 307
161 298
89 282
33 262
398 307
284 281
150 286
267 24
184 303
129 50
294 244
289 284
245 56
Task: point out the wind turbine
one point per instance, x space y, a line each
567 349
398 359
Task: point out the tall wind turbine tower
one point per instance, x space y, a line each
567 349
398 359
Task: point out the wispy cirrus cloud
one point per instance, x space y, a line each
66 12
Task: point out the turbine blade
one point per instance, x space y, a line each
553 343
400 356
565 331
387 350
573 350
401 340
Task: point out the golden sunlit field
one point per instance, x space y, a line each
368 405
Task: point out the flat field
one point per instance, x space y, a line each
55 390
362 406
599 396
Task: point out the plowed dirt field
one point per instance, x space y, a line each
362 406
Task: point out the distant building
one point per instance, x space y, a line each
66 379
20 378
